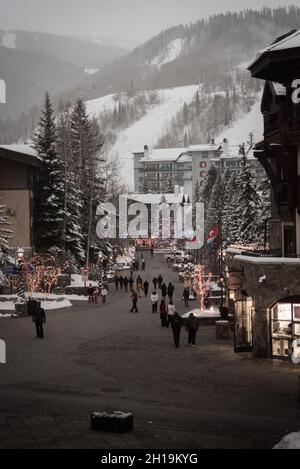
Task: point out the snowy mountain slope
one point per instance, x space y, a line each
148 129
169 54
239 131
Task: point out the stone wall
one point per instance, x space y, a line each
282 281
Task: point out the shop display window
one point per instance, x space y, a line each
285 327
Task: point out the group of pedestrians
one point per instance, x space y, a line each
95 291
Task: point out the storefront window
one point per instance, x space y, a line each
285 327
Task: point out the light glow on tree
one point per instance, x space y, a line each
201 284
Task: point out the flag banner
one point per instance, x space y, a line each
213 234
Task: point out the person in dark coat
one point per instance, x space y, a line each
143 264
163 314
90 291
176 328
117 282
159 280
137 264
163 290
134 298
146 287
192 327
152 252
121 282
171 289
39 318
126 284
131 282
186 297
139 285
154 281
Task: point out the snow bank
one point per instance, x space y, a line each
290 441
47 305
149 129
206 313
76 281
172 51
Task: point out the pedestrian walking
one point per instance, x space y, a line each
126 284
90 293
137 264
39 318
163 314
163 290
117 282
103 293
186 296
139 285
96 294
152 252
121 282
154 301
134 298
192 327
155 282
146 287
171 289
131 282
171 312
176 329
143 264
159 280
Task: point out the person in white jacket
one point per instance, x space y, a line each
154 301
171 312
103 294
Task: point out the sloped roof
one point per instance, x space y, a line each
288 42
23 153
204 147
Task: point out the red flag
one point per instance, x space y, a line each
213 234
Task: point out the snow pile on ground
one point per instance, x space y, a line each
76 281
206 313
172 51
43 296
290 441
149 129
244 125
47 305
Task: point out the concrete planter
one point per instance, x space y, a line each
222 330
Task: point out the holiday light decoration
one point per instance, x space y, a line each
201 284
42 273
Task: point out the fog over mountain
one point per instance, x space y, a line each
135 20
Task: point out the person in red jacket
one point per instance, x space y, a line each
163 314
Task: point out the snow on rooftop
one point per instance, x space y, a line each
172 51
22 148
268 260
203 147
289 42
156 198
163 154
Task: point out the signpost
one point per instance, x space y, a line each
234 282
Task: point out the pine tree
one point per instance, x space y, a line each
72 238
146 185
208 186
197 192
169 188
50 190
230 213
248 203
5 232
215 206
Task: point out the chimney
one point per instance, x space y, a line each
225 147
146 151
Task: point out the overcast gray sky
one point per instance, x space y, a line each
129 19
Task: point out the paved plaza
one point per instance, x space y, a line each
104 358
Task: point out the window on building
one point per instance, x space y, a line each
285 327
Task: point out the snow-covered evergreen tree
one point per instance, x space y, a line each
72 238
248 203
169 187
50 189
146 185
197 193
230 213
215 206
5 232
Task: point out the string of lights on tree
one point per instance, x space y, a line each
201 284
